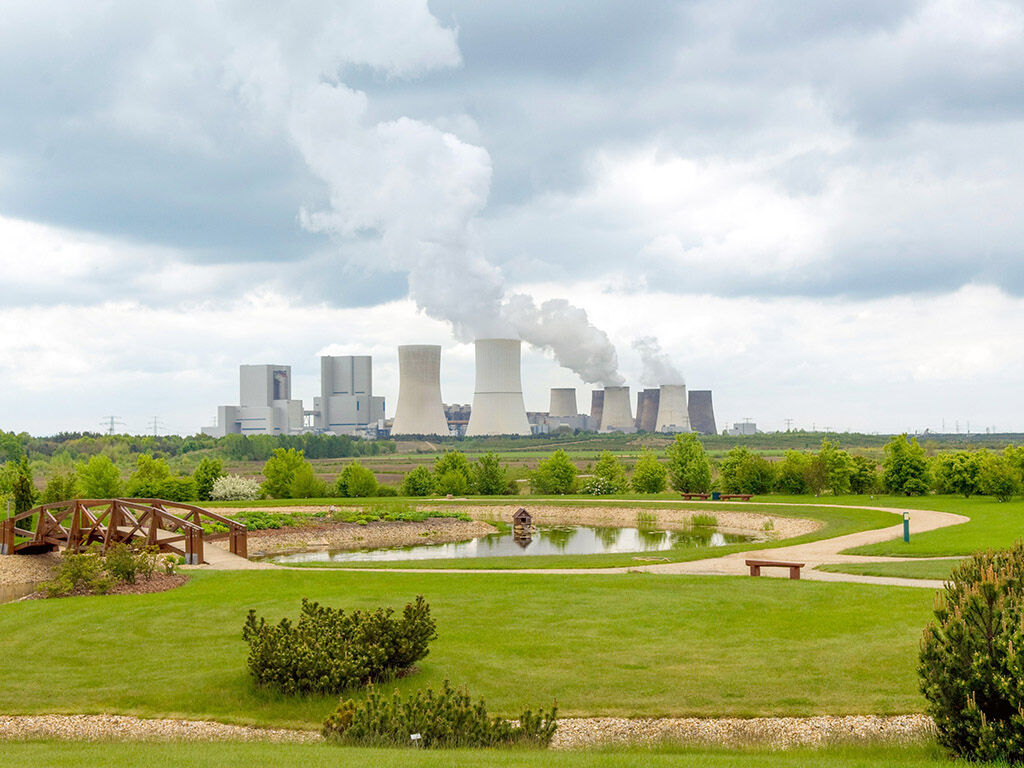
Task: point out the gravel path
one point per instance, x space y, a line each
572 733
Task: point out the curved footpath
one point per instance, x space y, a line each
813 554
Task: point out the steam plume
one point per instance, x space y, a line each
657 368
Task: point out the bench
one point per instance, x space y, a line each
757 565
740 496
692 496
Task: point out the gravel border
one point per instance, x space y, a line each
572 733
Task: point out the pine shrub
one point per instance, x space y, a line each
446 719
329 651
972 659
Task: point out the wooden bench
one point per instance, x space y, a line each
757 565
691 496
740 496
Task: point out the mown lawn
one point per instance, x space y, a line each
235 755
836 520
923 569
626 644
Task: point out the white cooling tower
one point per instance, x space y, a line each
563 403
673 412
419 410
618 413
498 407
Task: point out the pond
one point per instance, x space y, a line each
546 540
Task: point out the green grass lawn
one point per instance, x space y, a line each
628 645
235 755
924 569
837 521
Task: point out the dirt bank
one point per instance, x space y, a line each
27 569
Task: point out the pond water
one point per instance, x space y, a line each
546 540
9 592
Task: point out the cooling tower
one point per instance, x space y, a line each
498 407
563 403
673 411
419 410
596 409
702 414
647 409
617 415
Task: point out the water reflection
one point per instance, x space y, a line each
546 540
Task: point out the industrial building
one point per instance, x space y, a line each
346 405
419 410
498 407
702 412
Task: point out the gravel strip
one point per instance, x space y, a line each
572 733
771 732
123 728
25 569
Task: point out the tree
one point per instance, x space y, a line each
745 472
489 477
837 467
865 478
206 475
555 474
793 473
305 484
24 489
99 478
61 487
689 470
280 470
418 482
452 473
147 480
959 472
905 471
649 474
609 473
998 477
356 481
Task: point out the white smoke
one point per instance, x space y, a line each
408 188
657 367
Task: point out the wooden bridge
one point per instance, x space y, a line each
171 526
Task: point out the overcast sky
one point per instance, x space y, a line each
816 209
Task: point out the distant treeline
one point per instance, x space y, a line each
82 445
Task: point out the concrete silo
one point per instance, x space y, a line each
419 410
702 412
673 411
563 403
647 409
617 415
498 407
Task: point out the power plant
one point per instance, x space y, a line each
347 406
498 407
420 410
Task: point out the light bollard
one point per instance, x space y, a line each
906 527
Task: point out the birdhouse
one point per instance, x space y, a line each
521 518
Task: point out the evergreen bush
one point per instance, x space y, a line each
329 651
972 659
447 719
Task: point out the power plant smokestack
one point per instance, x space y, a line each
618 413
498 407
647 409
702 413
596 408
563 403
673 411
419 410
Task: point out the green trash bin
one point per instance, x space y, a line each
715 496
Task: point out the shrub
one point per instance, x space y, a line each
452 482
205 475
555 474
280 470
125 563
148 479
959 472
904 471
356 481
598 486
235 488
453 474
305 484
865 477
999 478
447 719
328 651
649 474
971 668
610 472
177 489
79 571
743 471
489 477
418 482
